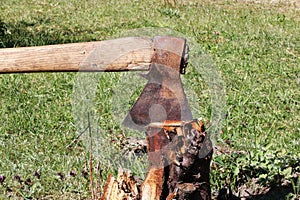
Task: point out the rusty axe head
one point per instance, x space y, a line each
163 97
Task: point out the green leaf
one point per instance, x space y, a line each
236 171
263 176
287 172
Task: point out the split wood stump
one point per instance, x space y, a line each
179 155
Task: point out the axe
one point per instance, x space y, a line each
161 108
165 58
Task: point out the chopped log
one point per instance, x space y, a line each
179 163
122 188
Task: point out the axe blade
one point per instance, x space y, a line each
163 97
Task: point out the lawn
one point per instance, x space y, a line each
254 47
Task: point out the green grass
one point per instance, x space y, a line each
256 48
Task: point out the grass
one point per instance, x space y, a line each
255 47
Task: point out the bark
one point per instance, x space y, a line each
179 156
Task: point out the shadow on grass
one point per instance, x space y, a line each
277 192
37 33
272 193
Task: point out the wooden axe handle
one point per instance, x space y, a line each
123 54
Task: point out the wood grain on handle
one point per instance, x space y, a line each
122 54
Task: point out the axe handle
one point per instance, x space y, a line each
123 54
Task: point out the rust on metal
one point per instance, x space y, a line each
163 97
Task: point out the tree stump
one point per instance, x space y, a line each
179 156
